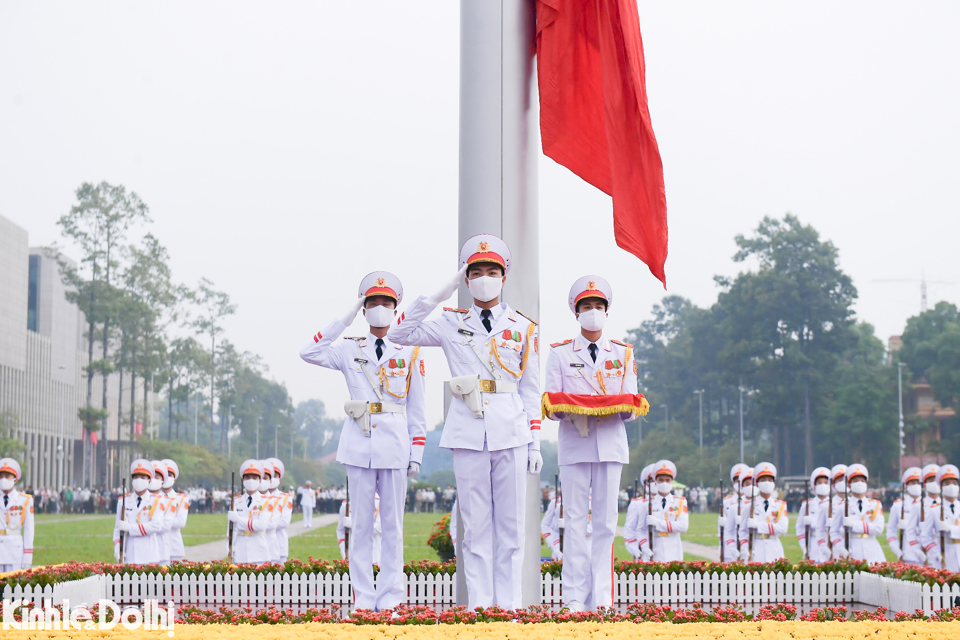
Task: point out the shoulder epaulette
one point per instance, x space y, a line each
520 313
456 310
26 495
560 344
622 344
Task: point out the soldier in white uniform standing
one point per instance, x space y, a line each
863 519
635 538
284 507
814 525
308 500
904 520
765 520
162 553
948 526
728 535
139 518
248 518
929 508
551 537
493 424
270 511
16 520
383 438
591 454
178 508
669 515
732 526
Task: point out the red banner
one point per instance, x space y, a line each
600 406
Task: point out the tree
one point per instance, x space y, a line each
931 348
214 306
320 431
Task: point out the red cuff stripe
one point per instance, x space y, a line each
770 526
534 427
28 550
142 530
250 523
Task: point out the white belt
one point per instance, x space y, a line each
385 407
497 386
248 534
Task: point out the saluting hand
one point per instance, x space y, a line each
348 317
447 290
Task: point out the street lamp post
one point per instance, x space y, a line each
700 393
666 417
900 366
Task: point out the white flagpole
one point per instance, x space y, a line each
499 148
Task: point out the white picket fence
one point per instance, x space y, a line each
684 589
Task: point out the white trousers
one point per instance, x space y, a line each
588 562
491 489
391 484
7 568
307 514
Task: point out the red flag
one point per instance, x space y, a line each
93 437
594 118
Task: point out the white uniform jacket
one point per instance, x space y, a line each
774 522
177 512
727 527
395 439
140 545
570 369
160 540
863 536
308 496
511 349
634 539
930 534
819 549
249 535
669 518
285 512
16 529
907 512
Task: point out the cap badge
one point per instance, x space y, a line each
380 282
591 286
484 246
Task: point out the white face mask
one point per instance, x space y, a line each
914 490
840 487
168 482
379 316
485 288
264 486
251 484
592 320
951 491
275 483
6 484
155 484
822 490
859 487
140 484
766 487
933 488
664 488
746 489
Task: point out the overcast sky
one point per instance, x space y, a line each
287 149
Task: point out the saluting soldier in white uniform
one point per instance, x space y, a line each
635 539
669 515
284 507
382 440
864 519
815 524
140 517
905 520
727 535
16 520
248 517
931 506
591 450
308 500
178 508
933 527
765 520
493 423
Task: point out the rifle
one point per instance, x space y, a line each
123 516
830 519
903 502
753 501
722 560
233 505
649 517
846 514
806 527
739 502
943 553
346 530
561 527
923 513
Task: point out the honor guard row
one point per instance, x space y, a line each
16 520
149 519
259 515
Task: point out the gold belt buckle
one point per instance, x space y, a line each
663 534
246 533
862 536
488 386
376 407
954 540
3 532
765 536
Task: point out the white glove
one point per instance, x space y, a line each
896 552
557 554
343 550
116 552
647 555
850 522
348 317
809 521
560 523
844 553
447 290
902 525
534 462
347 523
660 524
234 517
27 562
721 522
124 526
413 470
944 526
753 523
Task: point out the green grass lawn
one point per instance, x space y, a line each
88 538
